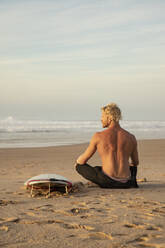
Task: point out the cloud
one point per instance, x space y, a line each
39 23
81 33
60 46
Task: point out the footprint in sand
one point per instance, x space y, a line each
6 202
144 237
153 228
60 222
76 211
47 207
30 214
62 212
8 220
143 226
160 211
143 240
100 236
133 225
39 222
151 245
77 226
82 208
18 193
149 214
110 221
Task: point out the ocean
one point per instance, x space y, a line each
43 133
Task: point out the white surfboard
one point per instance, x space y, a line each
50 180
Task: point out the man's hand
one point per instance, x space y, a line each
75 164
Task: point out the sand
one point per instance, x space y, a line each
90 217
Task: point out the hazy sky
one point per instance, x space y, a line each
64 59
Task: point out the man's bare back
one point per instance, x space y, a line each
116 147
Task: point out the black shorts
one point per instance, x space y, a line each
97 176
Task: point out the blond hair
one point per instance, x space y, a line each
113 111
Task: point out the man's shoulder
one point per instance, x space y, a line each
95 136
129 135
98 135
132 136
101 133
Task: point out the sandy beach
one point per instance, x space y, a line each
90 217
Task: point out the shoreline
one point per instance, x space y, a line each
68 145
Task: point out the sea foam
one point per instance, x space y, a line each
17 133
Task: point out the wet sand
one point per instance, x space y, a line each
91 216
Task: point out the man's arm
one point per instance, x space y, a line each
83 158
134 155
133 165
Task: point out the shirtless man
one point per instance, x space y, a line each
115 147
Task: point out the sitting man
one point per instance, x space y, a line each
115 147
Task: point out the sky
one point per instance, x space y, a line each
64 60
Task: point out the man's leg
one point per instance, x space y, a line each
95 175
88 172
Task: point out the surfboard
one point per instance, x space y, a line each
53 182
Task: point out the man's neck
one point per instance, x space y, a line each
113 124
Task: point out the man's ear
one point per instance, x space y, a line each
108 120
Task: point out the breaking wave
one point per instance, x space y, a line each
18 133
